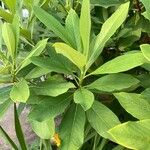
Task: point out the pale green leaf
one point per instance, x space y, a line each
85 26
146 94
72 128
45 129
9 38
114 82
133 135
36 51
11 4
147 6
121 63
84 97
134 104
145 48
76 57
16 30
107 30
20 91
6 15
102 119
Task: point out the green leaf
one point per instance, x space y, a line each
72 128
9 38
53 24
121 63
50 107
84 97
105 3
10 4
147 6
7 138
18 129
6 78
114 82
20 91
4 93
16 30
102 119
146 94
107 30
45 129
55 63
134 104
133 135
6 15
36 51
72 26
76 57
4 107
145 48
85 26
53 88
37 72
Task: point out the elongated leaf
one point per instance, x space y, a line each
36 51
20 91
72 128
4 107
4 93
6 78
53 88
134 104
84 97
16 30
121 64
37 72
133 135
145 48
7 138
45 129
18 129
9 38
76 57
72 26
85 26
102 119
114 82
50 107
53 24
6 15
10 4
108 29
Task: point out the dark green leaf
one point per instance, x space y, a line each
18 130
114 82
50 107
72 128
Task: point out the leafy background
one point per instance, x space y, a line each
84 62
